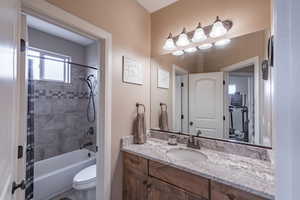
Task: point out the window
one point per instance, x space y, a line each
49 66
231 89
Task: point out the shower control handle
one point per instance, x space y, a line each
16 186
191 123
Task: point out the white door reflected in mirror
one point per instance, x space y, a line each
206 104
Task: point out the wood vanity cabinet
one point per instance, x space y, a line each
149 180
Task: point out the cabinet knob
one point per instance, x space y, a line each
149 185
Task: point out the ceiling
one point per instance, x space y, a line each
154 5
58 31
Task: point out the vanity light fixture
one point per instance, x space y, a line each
178 53
222 42
218 29
190 50
205 46
183 39
199 34
169 44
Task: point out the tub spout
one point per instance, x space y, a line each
86 145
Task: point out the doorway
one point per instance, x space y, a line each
63 98
98 78
180 99
241 90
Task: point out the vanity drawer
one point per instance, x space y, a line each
223 192
189 182
159 190
135 163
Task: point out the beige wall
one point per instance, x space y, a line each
247 16
240 49
188 62
130 27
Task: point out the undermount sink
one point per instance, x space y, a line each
183 154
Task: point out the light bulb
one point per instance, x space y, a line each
178 53
222 42
218 29
169 44
190 50
183 39
205 46
199 35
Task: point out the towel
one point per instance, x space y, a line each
163 120
139 132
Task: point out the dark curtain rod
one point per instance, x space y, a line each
71 63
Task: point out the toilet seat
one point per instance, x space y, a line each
85 179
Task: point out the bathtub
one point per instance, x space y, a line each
54 176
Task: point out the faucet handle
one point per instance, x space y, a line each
193 142
199 132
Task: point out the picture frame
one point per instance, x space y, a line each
133 72
163 78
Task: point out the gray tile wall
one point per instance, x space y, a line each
60 111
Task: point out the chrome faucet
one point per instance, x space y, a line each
193 142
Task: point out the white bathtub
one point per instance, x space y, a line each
54 176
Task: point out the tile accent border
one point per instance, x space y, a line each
51 94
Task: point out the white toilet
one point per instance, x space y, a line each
85 182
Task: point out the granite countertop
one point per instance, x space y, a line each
248 174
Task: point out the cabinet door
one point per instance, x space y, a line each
223 192
158 190
134 185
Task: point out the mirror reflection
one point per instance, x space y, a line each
217 90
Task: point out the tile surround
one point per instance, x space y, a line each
60 122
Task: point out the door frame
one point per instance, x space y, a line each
46 11
251 61
181 70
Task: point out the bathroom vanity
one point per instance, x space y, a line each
158 171
219 95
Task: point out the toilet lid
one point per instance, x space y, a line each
86 175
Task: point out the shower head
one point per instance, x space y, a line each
88 78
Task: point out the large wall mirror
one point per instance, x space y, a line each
217 91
